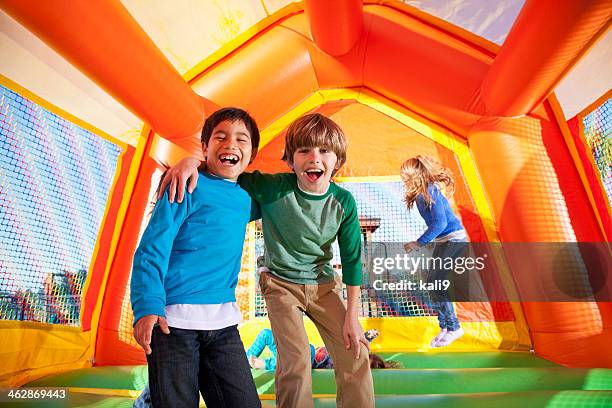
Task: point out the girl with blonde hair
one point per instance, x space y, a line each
423 179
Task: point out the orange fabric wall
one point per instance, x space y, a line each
108 228
537 196
111 349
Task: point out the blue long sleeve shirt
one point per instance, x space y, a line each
440 218
190 252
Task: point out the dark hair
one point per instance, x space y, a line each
377 361
232 114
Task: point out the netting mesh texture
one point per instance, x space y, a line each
55 179
380 204
598 135
384 220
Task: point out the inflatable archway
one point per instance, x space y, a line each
400 82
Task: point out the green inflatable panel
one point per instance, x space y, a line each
113 377
134 377
462 380
483 379
536 399
482 359
391 381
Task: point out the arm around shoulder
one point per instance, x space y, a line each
177 176
263 186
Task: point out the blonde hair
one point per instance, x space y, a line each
418 173
315 130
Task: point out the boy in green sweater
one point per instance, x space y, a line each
303 213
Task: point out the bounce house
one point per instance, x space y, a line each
98 98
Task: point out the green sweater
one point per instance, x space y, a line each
300 228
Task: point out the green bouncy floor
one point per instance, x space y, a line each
479 379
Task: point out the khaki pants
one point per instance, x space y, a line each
286 303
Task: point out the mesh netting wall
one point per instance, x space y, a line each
55 179
598 135
385 221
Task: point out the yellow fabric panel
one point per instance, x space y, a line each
245 290
373 119
385 120
29 350
365 128
413 334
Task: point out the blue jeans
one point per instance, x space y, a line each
212 362
441 301
144 399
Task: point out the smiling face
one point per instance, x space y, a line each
315 148
229 150
314 167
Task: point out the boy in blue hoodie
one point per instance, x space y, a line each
185 274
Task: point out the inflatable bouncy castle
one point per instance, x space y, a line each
99 98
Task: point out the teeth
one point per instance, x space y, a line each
314 174
231 158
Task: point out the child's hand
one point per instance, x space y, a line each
257 363
353 335
144 328
186 169
409 247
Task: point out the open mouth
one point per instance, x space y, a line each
314 174
229 159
